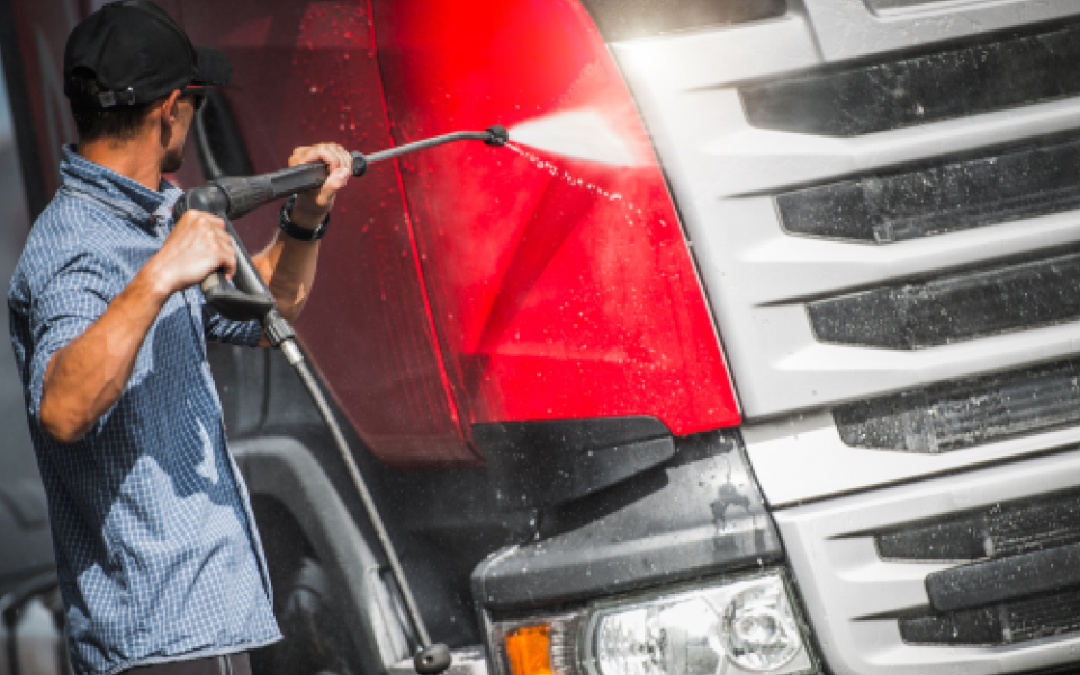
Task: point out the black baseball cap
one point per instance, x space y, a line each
138 54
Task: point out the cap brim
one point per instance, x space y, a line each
214 68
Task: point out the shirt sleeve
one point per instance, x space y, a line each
70 302
220 329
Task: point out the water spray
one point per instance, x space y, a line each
584 134
247 298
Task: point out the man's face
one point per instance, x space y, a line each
174 151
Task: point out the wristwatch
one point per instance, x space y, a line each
295 231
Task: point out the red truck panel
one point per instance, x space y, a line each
307 72
561 288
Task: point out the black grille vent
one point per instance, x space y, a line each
1020 585
1008 72
968 413
1008 623
958 196
954 308
999 532
1044 617
629 19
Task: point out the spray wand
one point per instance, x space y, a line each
248 298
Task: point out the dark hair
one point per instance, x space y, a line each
121 122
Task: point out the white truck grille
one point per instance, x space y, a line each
881 199
872 567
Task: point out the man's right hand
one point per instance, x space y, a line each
197 246
85 378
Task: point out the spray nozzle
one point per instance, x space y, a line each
497 136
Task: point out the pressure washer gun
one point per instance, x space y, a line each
247 298
232 198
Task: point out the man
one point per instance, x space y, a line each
158 557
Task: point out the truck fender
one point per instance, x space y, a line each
283 469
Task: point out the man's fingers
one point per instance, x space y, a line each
314 204
226 252
333 154
338 179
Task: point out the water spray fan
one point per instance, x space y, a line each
247 298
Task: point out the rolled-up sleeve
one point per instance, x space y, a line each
72 300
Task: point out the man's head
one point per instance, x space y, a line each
129 67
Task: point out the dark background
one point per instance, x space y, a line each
25 549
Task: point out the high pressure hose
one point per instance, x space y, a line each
431 659
248 298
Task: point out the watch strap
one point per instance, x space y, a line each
295 231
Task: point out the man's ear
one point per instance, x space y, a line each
170 107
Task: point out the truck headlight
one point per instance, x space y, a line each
745 625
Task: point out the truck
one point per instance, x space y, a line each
756 350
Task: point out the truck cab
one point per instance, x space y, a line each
755 351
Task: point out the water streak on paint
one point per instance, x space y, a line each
581 134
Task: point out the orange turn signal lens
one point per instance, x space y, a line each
529 650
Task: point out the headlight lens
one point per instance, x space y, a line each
759 628
743 626
659 640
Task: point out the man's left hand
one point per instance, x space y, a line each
312 206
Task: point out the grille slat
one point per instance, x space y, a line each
961 540
948 198
1024 588
953 309
1044 617
1010 623
906 92
999 532
1034 528
631 19
962 415
981 627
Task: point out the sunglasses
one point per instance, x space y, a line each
198 94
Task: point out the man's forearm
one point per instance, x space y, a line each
288 267
85 378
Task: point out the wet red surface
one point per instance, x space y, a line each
553 297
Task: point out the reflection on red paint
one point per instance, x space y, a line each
551 298
314 79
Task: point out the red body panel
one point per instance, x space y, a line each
553 298
464 284
307 72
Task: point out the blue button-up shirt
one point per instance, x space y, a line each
156 548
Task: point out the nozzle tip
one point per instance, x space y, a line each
498 136
359 163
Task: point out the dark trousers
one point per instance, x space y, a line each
233 664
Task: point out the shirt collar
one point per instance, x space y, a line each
123 195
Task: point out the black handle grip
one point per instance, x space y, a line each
233 198
233 303
247 298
